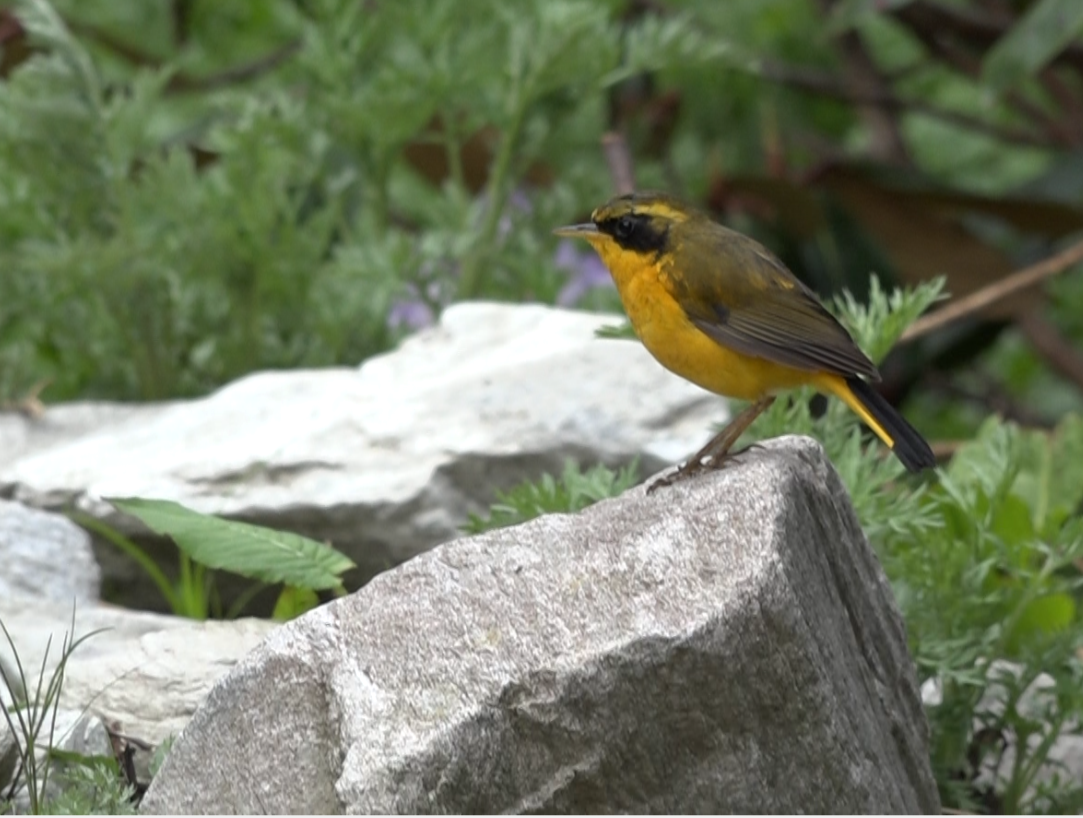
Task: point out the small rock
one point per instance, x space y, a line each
728 644
45 555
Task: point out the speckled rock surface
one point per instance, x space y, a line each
729 644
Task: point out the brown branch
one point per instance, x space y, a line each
619 159
830 86
987 296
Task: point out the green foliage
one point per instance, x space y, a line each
1045 29
294 601
32 716
163 233
999 582
207 543
574 491
92 785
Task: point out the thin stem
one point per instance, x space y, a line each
472 277
132 550
453 145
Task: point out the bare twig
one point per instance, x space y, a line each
987 296
619 159
30 404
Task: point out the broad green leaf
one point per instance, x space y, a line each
1042 617
294 601
245 549
1012 521
1039 36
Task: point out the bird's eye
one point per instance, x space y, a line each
624 227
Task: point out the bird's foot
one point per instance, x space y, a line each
694 468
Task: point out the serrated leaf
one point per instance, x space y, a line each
1046 28
241 548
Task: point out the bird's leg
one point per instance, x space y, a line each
716 452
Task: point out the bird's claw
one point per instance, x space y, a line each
693 468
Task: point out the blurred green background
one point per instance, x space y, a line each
194 189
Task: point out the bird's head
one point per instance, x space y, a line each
636 222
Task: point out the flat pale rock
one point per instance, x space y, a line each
383 461
729 644
144 674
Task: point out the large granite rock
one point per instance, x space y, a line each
729 644
383 461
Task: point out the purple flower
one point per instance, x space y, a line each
414 314
586 273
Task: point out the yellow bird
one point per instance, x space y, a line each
720 310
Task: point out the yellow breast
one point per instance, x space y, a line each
678 345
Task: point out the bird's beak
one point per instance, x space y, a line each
578 231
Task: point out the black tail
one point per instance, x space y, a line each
909 446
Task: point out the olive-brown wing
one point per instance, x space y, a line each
742 296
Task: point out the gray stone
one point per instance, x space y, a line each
729 644
45 555
383 461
